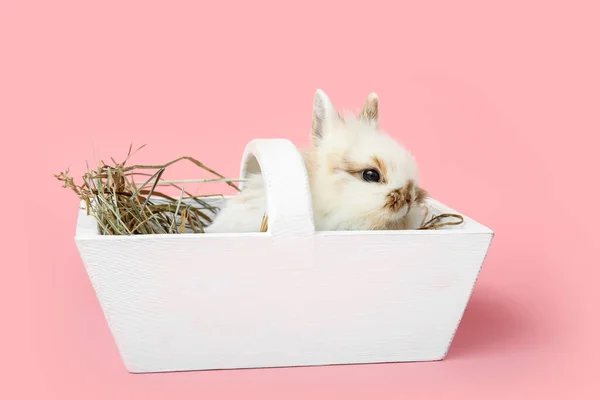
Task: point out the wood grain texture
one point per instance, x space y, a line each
287 297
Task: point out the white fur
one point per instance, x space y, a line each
341 201
243 212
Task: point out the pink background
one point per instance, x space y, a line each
499 100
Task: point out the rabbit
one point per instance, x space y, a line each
360 178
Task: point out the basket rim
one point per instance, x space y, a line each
87 228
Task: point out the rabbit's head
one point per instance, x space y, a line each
360 177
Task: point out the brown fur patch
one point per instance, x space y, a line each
407 190
403 196
395 201
381 167
421 196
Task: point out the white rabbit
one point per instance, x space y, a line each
360 178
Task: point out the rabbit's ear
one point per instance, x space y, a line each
370 110
324 113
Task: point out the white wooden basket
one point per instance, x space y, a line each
286 297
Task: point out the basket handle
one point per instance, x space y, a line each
289 203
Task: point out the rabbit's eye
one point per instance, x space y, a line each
371 175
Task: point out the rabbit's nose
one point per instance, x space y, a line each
396 200
401 197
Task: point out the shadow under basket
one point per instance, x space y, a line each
286 297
